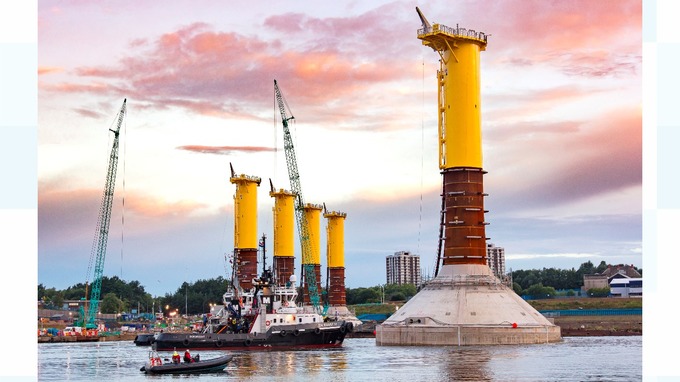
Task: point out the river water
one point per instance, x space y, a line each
359 359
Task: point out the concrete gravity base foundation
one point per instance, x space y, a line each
464 335
466 305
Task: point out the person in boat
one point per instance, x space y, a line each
187 357
175 357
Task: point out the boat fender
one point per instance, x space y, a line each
186 341
218 343
248 342
350 326
283 333
317 330
296 332
268 323
343 329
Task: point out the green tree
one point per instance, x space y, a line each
540 291
602 267
586 268
517 288
397 297
598 292
58 300
111 304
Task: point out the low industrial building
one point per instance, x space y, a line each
625 287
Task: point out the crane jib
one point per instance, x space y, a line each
301 219
103 224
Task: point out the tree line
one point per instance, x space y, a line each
119 296
547 281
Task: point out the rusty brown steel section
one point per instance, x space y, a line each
317 272
464 225
284 266
336 287
246 263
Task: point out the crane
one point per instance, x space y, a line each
301 218
101 237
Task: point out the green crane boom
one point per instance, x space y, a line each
101 237
301 218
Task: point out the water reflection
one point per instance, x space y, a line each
466 364
287 363
575 359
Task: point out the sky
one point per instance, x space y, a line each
561 86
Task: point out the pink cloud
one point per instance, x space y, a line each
225 150
577 159
226 73
49 70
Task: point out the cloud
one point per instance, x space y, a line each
42 70
570 161
88 113
519 256
228 74
225 150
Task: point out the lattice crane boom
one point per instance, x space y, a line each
296 187
98 254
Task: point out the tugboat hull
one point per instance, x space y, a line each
323 335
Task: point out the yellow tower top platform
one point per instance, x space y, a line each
458 82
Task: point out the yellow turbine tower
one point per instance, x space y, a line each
336 257
313 214
284 234
460 139
245 228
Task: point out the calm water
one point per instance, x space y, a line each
574 359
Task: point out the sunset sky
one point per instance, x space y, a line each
561 116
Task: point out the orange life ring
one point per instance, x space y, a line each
268 323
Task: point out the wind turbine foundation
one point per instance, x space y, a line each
465 304
313 215
336 257
284 235
245 228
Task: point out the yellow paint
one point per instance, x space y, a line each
460 132
284 223
336 239
245 211
313 214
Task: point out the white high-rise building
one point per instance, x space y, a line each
495 258
403 268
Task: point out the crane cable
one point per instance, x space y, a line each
93 249
122 228
422 153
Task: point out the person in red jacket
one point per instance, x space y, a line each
187 357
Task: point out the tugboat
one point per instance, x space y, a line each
266 317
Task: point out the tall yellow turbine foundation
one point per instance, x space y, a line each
284 235
460 141
313 215
245 228
465 304
336 257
